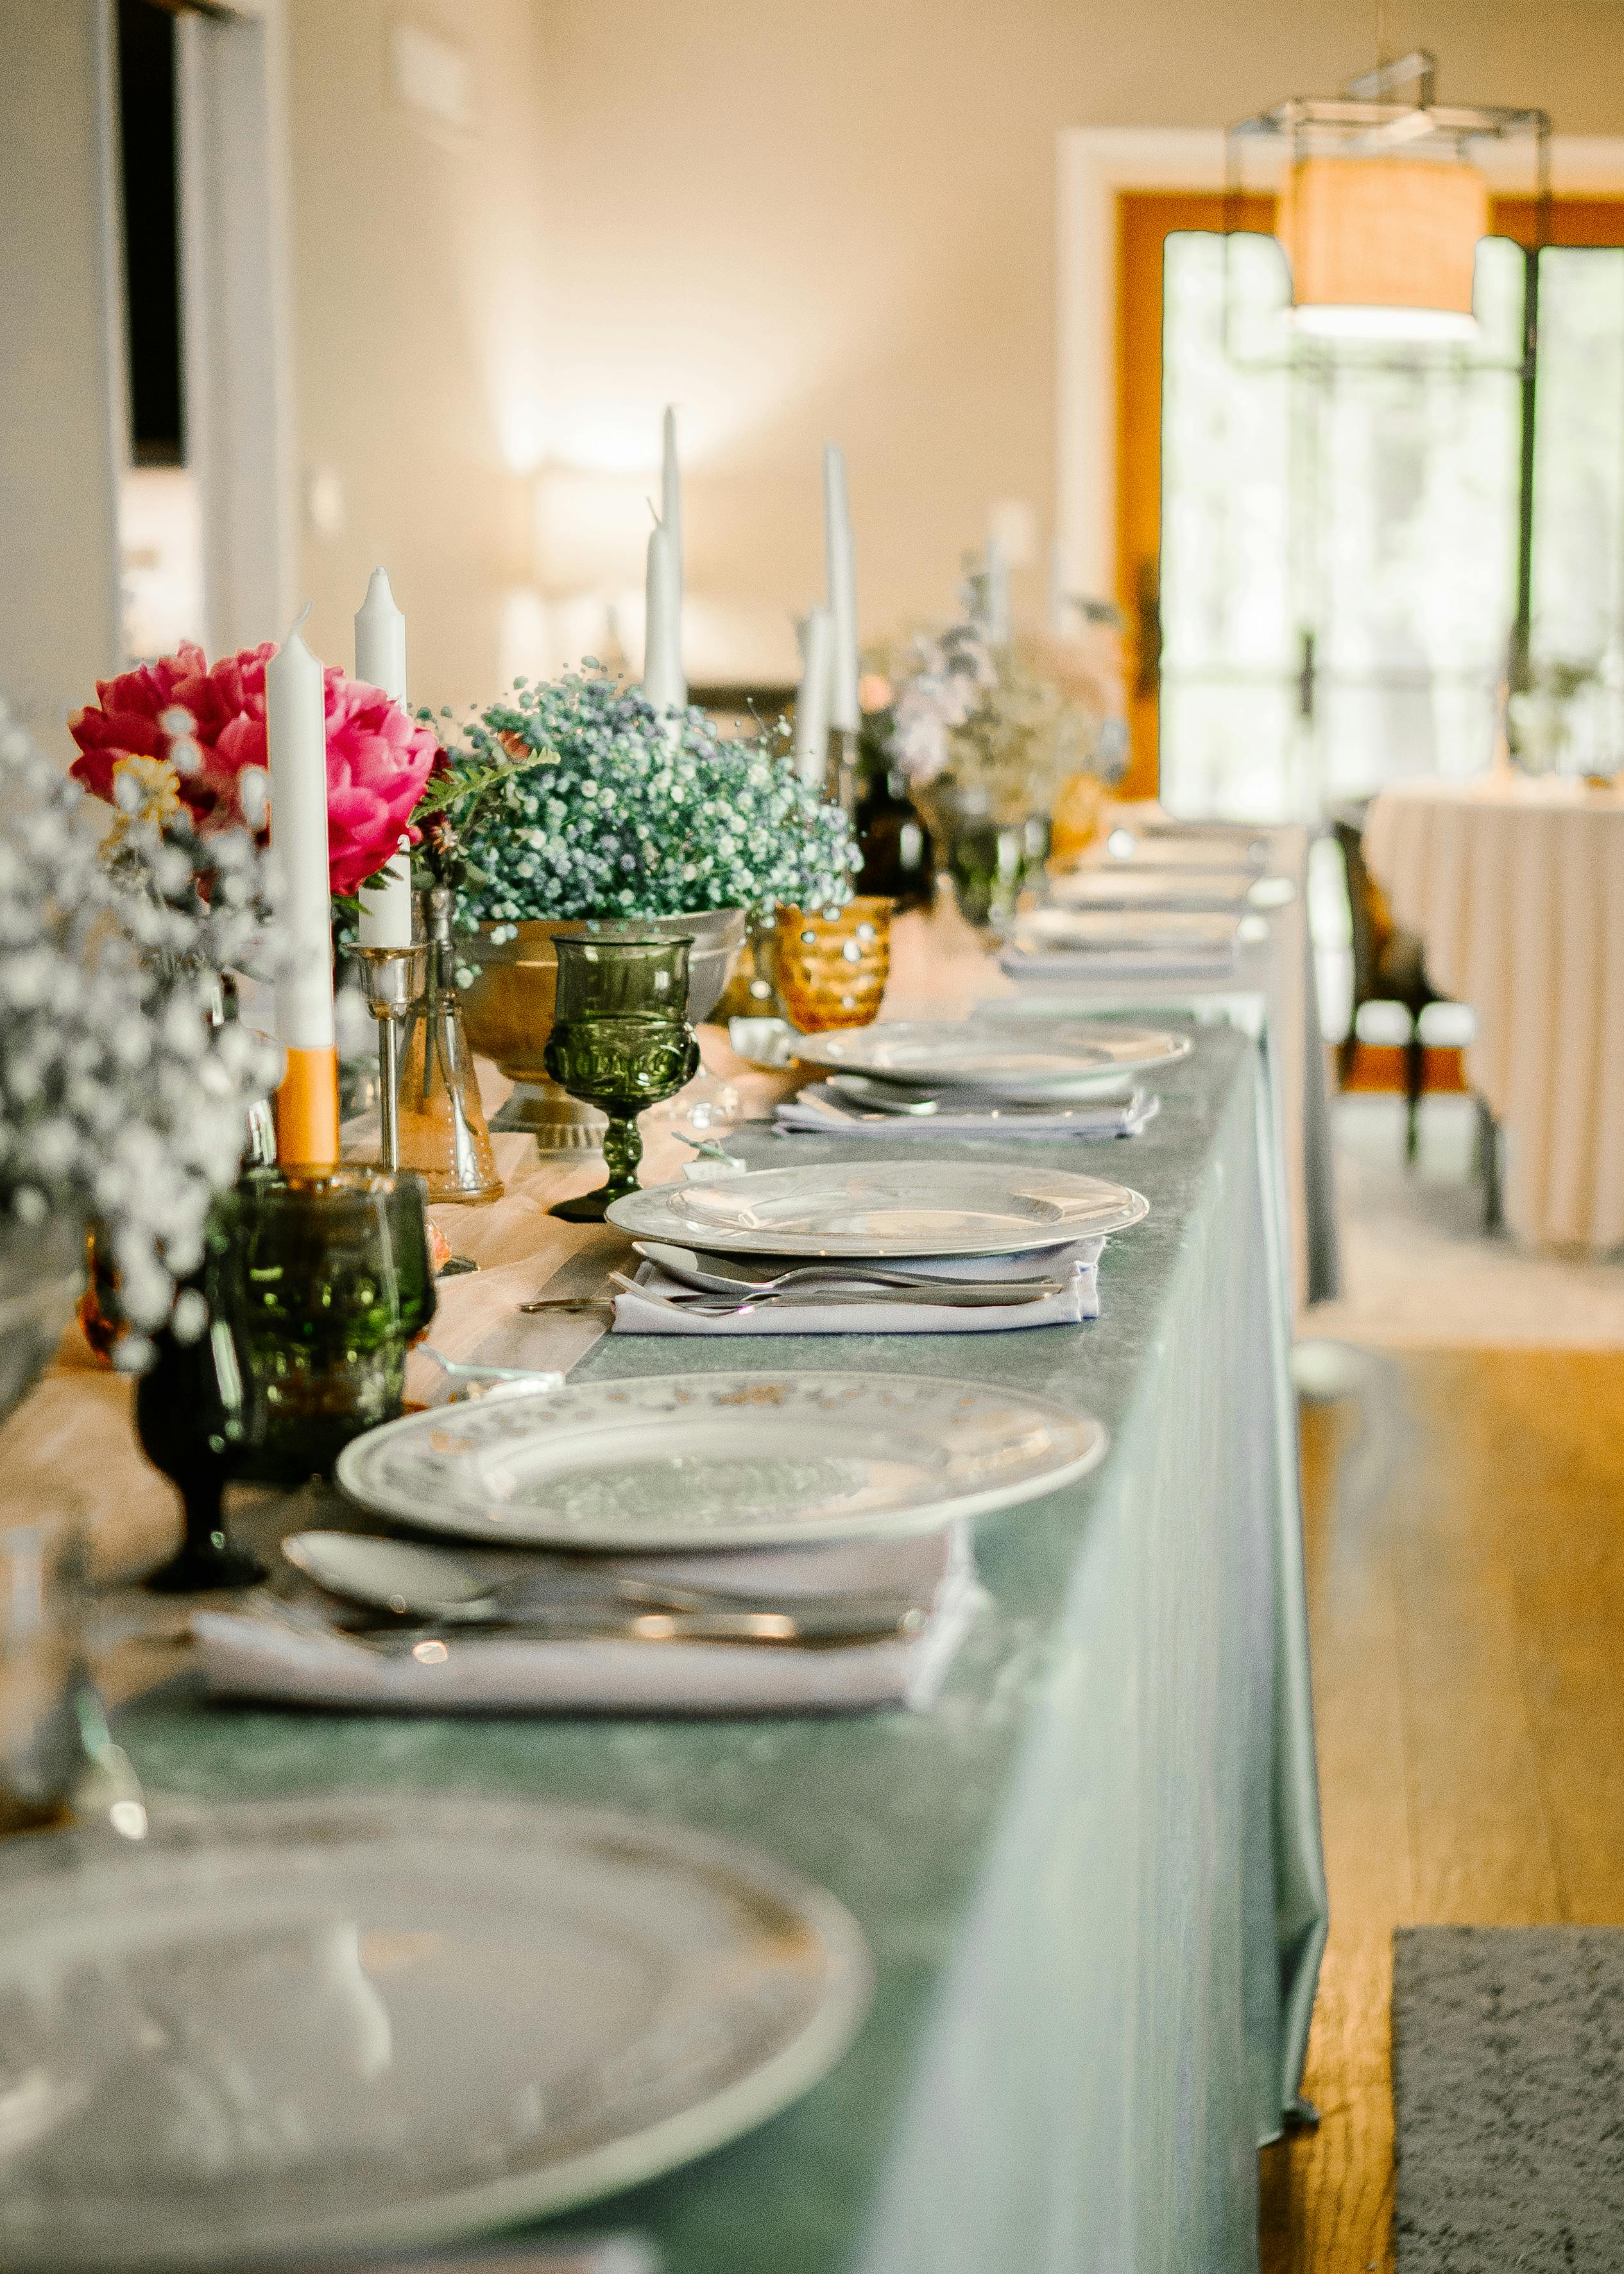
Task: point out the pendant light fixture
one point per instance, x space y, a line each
1382 205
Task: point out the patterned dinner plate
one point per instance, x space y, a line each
322 2027
890 1211
897 1208
687 1461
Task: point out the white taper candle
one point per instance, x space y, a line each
1059 591
841 556
380 660
998 618
815 634
671 516
662 657
296 729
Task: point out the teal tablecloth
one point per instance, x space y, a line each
1092 1877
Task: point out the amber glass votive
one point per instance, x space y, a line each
832 964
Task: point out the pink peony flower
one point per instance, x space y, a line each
377 757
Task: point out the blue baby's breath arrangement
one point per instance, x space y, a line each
624 810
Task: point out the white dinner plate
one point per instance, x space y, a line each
1136 885
1107 931
315 2027
842 1209
927 1051
1172 848
688 1461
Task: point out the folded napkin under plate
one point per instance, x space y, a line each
819 1112
657 1305
251 1653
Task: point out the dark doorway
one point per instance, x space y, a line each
152 232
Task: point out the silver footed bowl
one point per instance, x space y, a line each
508 1005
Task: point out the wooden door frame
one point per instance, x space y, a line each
1095 170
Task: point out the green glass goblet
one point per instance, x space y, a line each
331 1283
621 1040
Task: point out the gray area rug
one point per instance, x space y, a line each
1508 2093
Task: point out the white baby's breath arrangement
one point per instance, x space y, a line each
623 810
122 1090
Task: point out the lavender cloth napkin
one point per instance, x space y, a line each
657 1305
298 1659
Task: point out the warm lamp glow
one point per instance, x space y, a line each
1383 248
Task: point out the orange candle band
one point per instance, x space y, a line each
306 1109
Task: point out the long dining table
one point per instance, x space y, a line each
1091 1874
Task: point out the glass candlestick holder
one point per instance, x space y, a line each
840 773
441 1121
393 979
620 1040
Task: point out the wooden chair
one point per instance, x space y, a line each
1389 966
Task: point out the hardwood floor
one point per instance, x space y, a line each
1465 1513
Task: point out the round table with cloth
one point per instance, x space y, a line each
1515 887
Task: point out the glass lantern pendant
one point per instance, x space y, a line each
1381 206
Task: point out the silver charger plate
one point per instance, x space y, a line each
327 2026
692 1461
894 1210
968 1057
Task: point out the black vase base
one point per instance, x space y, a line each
193 1570
586 1208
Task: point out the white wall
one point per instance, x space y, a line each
840 219
420 325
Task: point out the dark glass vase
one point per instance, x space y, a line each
898 863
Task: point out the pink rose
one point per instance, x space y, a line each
377 761
377 757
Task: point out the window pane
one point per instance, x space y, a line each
1342 529
1578 553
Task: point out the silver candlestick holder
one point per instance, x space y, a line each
392 978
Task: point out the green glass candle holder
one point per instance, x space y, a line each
621 1040
330 1283
194 1422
